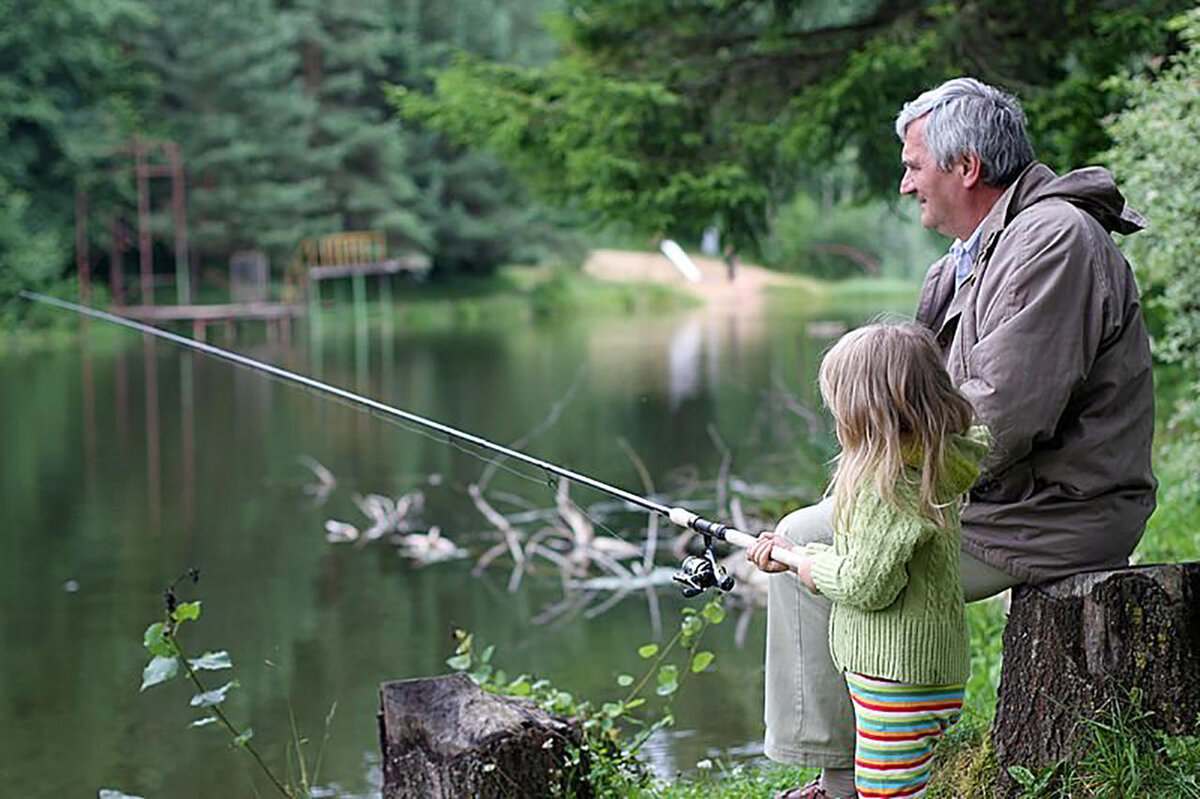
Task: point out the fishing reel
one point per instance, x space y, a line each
698 573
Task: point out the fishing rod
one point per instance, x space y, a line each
697 573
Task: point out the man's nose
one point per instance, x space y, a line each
906 184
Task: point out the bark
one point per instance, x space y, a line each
1079 646
446 737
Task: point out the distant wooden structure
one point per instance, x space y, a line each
353 254
277 316
150 158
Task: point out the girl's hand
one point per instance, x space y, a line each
759 553
804 575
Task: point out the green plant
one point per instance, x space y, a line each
1034 785
614 731
168 659
1155 157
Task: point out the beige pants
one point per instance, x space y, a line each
809 719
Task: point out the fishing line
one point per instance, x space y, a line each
696 577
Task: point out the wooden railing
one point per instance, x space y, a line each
354 254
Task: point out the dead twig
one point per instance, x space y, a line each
651 545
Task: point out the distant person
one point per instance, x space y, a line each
1040 326
898 630
731 262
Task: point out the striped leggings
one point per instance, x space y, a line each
896 726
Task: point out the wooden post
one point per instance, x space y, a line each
82 265
183 278
358 282
1077 646
114 262
145 243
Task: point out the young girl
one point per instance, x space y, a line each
897 630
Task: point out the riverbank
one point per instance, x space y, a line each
609 283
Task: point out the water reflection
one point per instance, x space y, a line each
123 468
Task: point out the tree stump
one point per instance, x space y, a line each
1074 645
446 737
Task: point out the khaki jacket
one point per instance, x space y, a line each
1046 338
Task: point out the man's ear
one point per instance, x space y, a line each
970 170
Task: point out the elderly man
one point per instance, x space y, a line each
1038 317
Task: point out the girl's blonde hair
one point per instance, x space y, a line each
895 407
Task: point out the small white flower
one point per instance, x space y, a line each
704 764
549 744
488 767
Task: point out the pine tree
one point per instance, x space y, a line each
480 214
234 97
360 147
68 96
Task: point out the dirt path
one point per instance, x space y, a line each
744 293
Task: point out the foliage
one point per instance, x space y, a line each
243 121
1156 158
1171 534
282 123
364 182
68 93
479 216
594 149
613 731
847 238
1125 756
168 660
31 257
670 115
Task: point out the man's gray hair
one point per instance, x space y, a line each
969 116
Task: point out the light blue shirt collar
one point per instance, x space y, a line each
964 253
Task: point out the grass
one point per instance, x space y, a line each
512 295
721 782
855 297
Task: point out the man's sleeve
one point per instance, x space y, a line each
1040 322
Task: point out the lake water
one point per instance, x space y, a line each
121 467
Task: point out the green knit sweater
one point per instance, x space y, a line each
894 580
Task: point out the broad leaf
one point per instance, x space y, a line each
702 660
668 680
186 611
215 696
648 651
714 612
156 641
459 662
159 669
625 680
212 661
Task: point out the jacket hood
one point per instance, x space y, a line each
1091 189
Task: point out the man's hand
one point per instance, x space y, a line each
759 553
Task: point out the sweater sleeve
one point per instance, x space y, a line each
873 570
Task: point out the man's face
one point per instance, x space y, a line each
939 193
